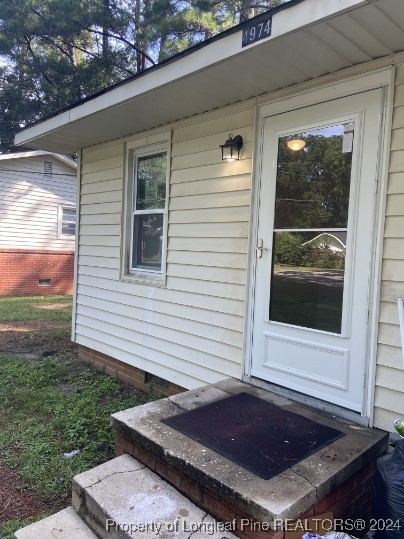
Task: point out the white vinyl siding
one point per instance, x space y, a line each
190 331
29 203
389 393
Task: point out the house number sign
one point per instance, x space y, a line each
255 32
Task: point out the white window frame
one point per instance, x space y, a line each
60 221
135 150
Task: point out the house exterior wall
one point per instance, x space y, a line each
389 394
191 332
26 272
29 203
34 260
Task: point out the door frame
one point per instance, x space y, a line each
381 78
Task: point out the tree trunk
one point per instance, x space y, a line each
105 28
137 17
246 10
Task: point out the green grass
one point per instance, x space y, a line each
53 406
8 529
19 309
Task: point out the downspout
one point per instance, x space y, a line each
76 250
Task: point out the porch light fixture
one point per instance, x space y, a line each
296 144
231 148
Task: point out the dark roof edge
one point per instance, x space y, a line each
165 62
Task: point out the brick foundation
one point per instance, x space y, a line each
351 500
26 272
127 373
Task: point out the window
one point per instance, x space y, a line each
149 202
67 221
146 213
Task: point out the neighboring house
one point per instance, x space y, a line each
175 250
37 223
336 241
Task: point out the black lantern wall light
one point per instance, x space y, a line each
231 148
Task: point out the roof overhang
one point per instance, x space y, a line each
310 38
38 153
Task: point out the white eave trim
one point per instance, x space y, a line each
39 153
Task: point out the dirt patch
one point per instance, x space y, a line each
19 502
34 339
53 306
24 327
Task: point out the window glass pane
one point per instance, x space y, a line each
313 182
307 283
147 241
151 176
68 229
69 214
68 221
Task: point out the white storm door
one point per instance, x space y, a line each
316 218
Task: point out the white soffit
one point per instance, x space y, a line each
309 39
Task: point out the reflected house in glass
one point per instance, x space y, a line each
336 242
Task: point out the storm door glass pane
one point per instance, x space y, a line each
311 223
148 240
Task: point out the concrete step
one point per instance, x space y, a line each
226 490
123 499
63 525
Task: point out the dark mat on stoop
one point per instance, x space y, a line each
255 434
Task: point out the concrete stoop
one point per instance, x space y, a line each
128 497
336 480
123 499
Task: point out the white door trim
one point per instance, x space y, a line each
382 78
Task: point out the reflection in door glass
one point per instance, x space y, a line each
312 185
311 224
308 279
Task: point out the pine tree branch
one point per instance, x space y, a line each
34 57
96 56
59 47
118 37
85 51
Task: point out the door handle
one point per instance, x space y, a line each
260 248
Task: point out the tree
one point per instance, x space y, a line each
56 52
313 184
